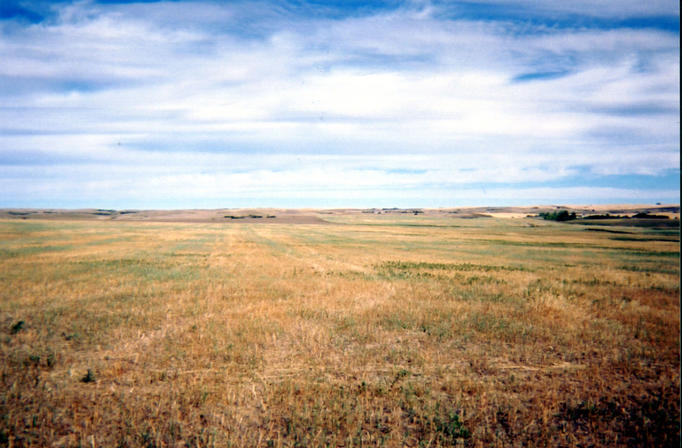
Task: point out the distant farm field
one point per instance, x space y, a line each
370 330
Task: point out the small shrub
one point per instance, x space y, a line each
89 377
16 328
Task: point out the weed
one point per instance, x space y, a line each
451 428
17 327
71 336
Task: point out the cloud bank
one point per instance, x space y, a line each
211 104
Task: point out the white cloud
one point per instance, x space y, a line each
598 8
354 103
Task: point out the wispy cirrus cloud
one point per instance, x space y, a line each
262 100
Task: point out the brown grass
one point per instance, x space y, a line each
372 331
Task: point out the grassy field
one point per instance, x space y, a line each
368 331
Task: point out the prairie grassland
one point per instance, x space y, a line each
369 331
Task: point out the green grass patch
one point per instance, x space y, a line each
500 327
149 269
455 267
644 239
649 268
32 250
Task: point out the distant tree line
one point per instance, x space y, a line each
562 215
640 215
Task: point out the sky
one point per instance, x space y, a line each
311 103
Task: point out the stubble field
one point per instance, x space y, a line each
366 331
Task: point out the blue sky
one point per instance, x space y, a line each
200 104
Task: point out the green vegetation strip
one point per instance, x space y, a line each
409 265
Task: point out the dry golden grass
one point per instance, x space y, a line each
371 331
